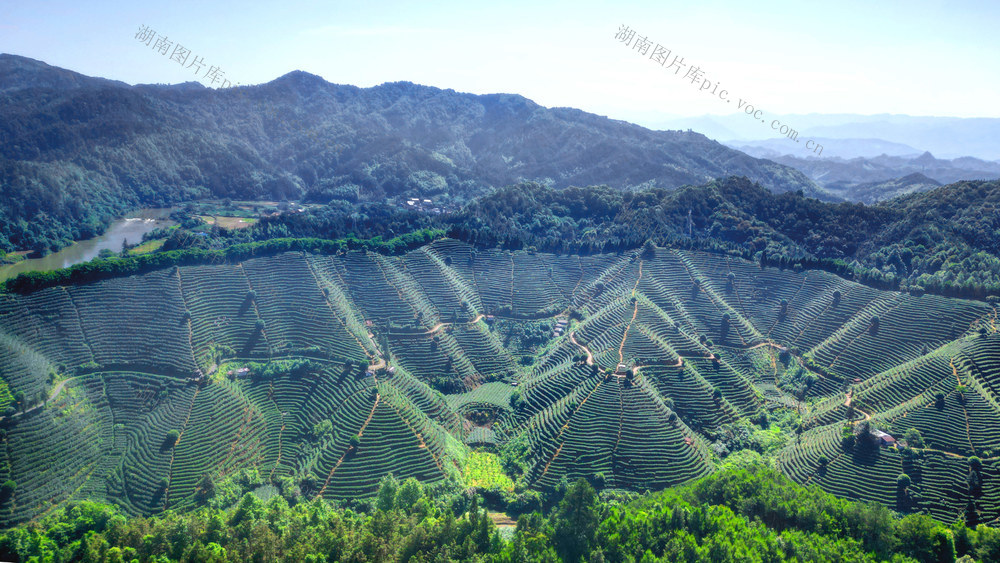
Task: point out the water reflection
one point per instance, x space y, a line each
130 228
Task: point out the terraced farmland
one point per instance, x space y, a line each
326 372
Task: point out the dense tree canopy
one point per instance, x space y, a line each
751 514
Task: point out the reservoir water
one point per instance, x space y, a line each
130 228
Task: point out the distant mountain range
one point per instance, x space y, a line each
76 151
872 192
876 179
946 137
832 148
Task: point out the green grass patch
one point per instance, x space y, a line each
6 399
483 470
148 246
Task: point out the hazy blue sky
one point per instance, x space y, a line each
914 57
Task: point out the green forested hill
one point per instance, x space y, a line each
635 371
76 151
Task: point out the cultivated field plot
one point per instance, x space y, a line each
323 373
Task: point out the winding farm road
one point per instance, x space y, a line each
590 356
439 326
55 392
847 403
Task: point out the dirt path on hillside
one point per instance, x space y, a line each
565 426
789 304
173 449
52 396
739 299
247 418
333 312
771 344
621 349
439 326
378 397
420 437
965 411
572 295
847 403
712 298
635 312
621 418
590 355
771 357
190 321
512 283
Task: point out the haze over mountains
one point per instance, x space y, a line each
861 153
858 179
945 137
832 148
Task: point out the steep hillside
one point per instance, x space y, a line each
633 370
76 151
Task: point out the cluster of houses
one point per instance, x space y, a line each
561 326
425 206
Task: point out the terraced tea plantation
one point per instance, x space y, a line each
325 373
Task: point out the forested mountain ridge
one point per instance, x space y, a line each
76 151
943 241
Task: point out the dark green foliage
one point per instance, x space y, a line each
576 521
172 438
913 438
385 498
735 515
